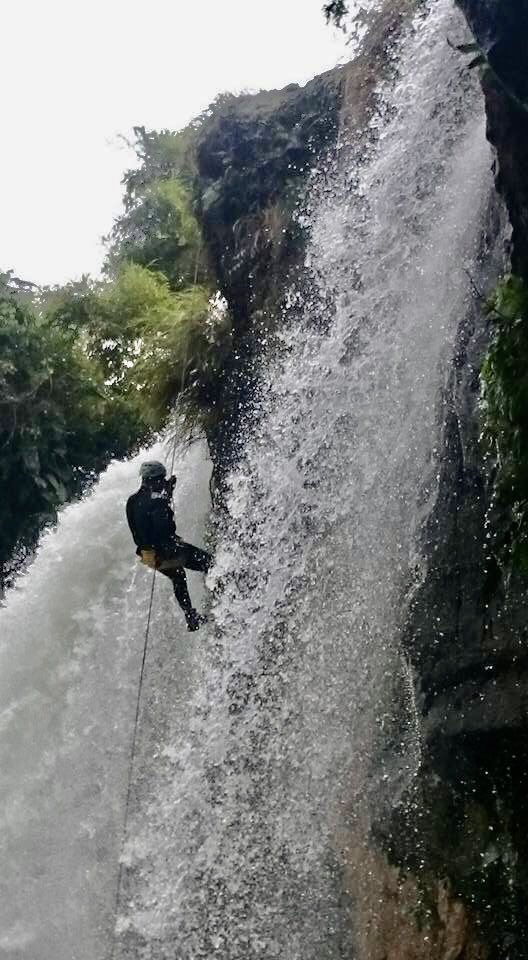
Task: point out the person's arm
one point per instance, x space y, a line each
163 524
131 519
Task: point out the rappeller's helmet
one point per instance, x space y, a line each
152 470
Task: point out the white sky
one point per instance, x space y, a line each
76 73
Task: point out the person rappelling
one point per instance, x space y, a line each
151 520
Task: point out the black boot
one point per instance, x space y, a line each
194 619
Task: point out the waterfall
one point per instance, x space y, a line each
71 643
240 850
264 738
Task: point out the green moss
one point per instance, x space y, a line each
504 405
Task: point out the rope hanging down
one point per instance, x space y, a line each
131 761
134 743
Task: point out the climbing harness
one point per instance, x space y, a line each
148 557
150 562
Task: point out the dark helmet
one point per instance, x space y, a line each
152 470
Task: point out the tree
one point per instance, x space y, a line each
352 18
155 345
58 424
160 231
336 11
158 228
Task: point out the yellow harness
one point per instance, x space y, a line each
149 558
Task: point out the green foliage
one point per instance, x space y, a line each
11 285
183 359
153 327
505 410
110 317
58 423
158 228
160 232
154 345
336 11
162 155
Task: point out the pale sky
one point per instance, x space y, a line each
76 73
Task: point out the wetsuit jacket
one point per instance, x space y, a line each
151 521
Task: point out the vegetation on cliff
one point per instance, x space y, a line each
499 51
339 13
505 410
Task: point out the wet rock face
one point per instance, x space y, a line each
466 638
466 631
255 153
254 156
397 919
501 29
467 628
466 827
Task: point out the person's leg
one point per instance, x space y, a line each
181 592
186 555
179 585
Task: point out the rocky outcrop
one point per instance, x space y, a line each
396 919
500 28
254 156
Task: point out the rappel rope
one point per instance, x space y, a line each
134 744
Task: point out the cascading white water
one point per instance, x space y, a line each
239 852
71 639
260 739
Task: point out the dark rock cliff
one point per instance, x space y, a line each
253 158
500 28
467 630
465 637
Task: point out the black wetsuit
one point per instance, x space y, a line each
151 521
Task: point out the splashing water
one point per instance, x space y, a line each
261 737
238 850
71 642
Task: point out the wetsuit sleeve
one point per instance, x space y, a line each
131 520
